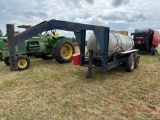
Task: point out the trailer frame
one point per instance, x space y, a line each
101 34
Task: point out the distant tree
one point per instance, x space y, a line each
73 39
1 33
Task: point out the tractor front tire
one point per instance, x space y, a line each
130 64
23 62
7 61
63 50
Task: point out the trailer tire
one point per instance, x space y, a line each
136 61
63 50
154 51
23 62
130 64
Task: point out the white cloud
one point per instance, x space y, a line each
117 14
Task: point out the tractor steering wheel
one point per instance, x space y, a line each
53 32
47 34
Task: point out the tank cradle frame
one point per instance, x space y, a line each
101 33
112 63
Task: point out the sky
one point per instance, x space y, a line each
125 15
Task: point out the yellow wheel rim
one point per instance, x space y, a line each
66 51
22 63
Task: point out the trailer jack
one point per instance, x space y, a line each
90 64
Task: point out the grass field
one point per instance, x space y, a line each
48 91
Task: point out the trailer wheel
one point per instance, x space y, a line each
154 51
130 64
47 57
63 50
136 61
7 61
23 62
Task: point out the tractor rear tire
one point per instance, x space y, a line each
47 57
7 61
130 64
63 50
23 62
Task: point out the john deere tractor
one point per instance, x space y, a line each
46 46
2 39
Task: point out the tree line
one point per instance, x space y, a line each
73 39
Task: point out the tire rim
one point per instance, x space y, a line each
49 55
22 63
66 51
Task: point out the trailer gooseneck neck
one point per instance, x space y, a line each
101 33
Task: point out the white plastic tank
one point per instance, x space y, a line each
117 43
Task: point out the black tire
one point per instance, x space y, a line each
1 57
47 57
23 62
7 61
154 51
37 56
63 50
136 61
130 64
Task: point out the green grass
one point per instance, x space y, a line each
48 90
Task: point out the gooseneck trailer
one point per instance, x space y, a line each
102 35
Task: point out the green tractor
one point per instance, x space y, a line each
2 44
46 46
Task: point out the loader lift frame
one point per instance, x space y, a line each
101 33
